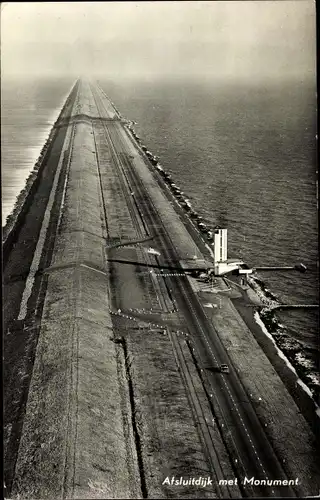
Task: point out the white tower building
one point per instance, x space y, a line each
220 245
223 265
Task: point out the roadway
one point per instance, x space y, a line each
250 450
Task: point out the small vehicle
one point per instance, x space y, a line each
217 368
224 368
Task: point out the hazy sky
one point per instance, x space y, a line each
217 39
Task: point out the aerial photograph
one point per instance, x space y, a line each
160 310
